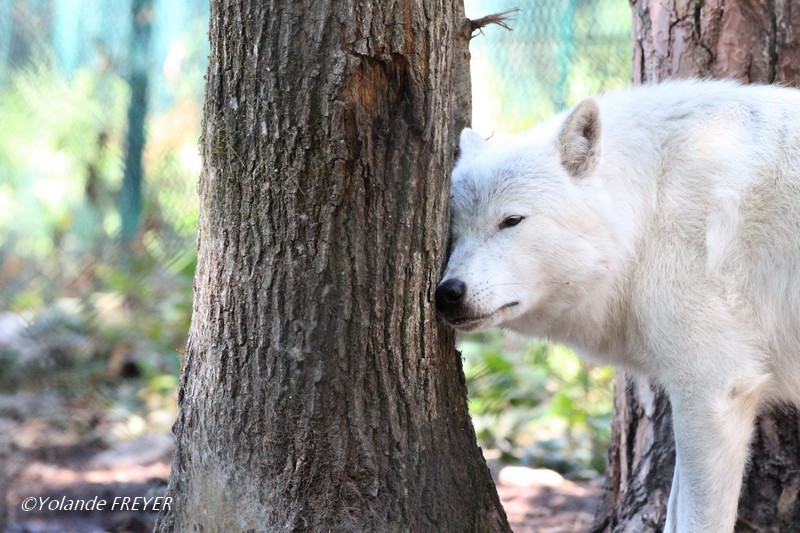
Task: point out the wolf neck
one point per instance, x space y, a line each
592 320
599 324
594 325
595 320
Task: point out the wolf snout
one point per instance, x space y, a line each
450 295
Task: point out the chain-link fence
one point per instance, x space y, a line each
100 110
100 106
557 52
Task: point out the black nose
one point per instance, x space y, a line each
449 294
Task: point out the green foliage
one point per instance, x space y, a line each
115 348
103 321
538 403
60 171
56 132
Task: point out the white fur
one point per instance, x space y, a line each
670 248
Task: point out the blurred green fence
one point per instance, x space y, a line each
100 109
100 106
557 52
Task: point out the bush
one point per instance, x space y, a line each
537 403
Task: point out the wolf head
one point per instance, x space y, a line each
529 239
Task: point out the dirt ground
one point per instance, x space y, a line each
541 501
536 501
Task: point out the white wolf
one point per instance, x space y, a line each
657 229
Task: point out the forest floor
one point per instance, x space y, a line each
41 462
536 501
542 501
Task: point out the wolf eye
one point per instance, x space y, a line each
511 221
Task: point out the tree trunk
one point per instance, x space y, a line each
319 392
753 42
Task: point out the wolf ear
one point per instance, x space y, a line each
578 141
470 145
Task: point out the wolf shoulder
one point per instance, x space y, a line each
718 162
720 166
687 101
695 122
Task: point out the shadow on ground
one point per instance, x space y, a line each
536 500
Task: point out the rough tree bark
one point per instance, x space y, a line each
319 392
752 41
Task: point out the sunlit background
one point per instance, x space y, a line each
100 110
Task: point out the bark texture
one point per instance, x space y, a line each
641 459
753 41
319 393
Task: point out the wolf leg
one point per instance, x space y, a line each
712 435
